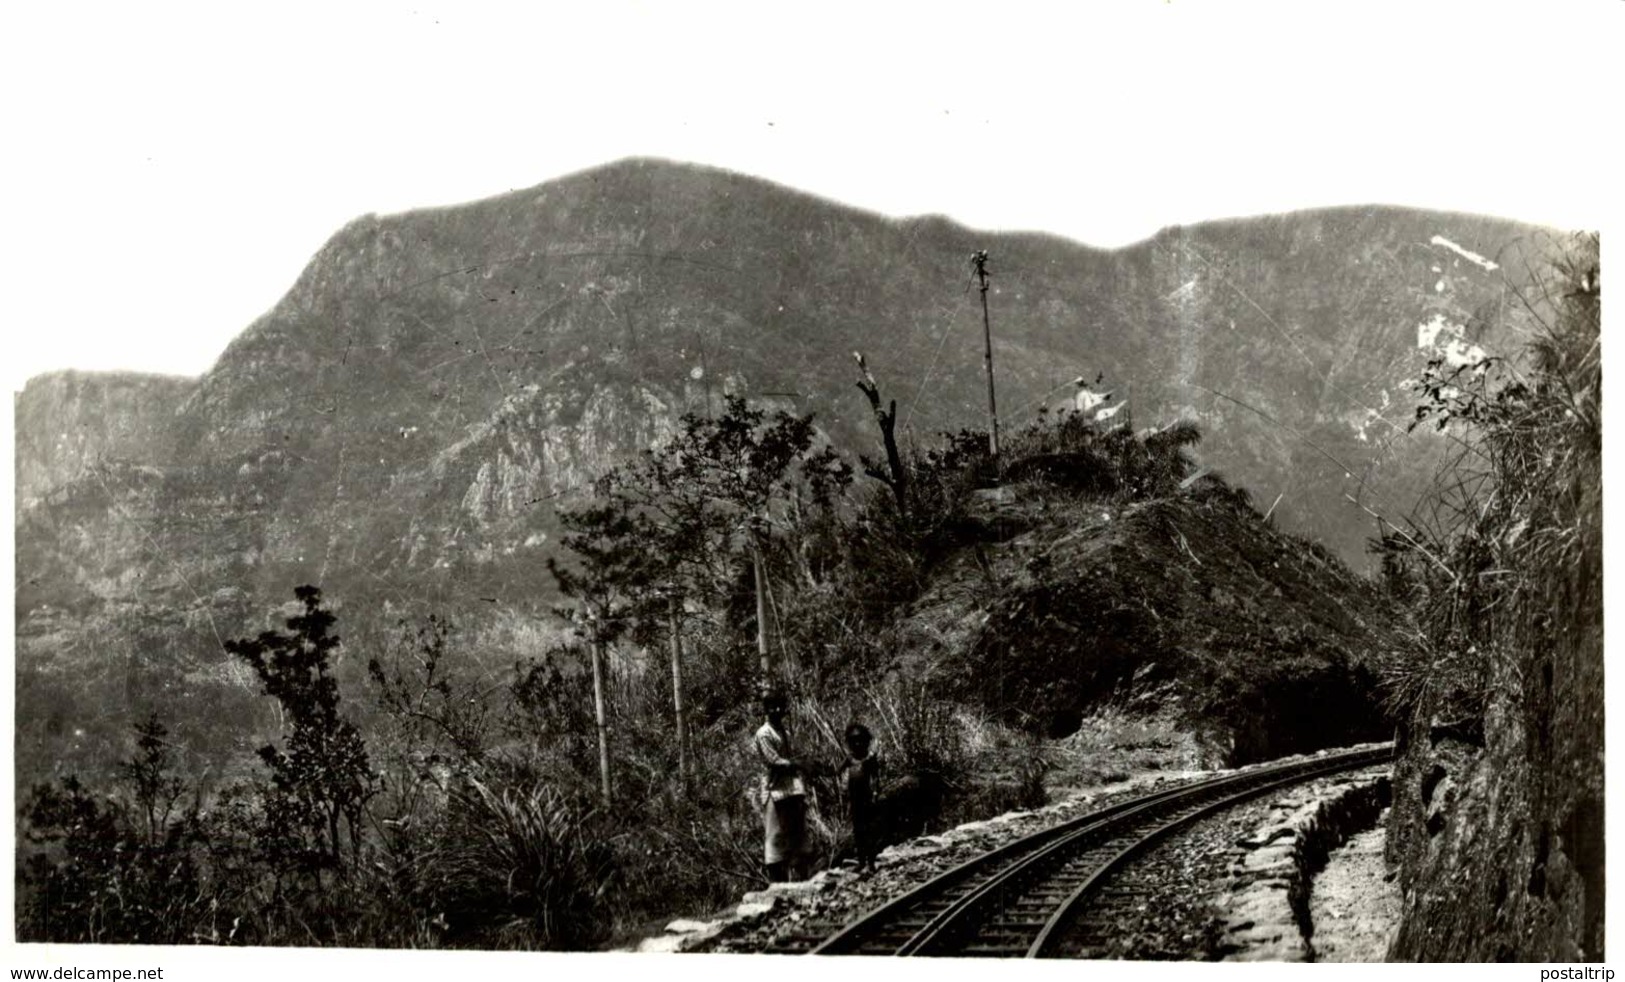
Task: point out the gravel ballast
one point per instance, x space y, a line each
1355 904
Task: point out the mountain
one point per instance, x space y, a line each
400 426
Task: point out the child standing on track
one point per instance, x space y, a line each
861 778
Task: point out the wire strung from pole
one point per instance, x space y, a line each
930 368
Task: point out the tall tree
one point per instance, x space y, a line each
156 789
612 566
321 780
723 488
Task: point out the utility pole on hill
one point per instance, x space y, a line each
978 260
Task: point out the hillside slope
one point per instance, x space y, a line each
1193 605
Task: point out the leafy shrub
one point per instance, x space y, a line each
1072 450
112 868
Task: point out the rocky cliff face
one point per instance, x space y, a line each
65 421
1498 825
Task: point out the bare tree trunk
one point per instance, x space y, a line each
598 710
895 476
677 691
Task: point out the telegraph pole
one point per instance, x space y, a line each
596 627
761 606
673 610
978 261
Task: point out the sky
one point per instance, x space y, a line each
172 167
168 169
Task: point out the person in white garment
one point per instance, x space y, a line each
784 794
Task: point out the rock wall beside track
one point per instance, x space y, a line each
1266 908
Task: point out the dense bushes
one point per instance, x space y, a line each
96 875
481 824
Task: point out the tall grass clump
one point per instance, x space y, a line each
520 867
1503 563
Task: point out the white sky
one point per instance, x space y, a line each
172 168
168 170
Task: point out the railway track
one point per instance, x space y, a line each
1051 894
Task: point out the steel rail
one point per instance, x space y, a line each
1026 858
1044 944
965 913
844 939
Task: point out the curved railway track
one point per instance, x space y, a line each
1050 894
